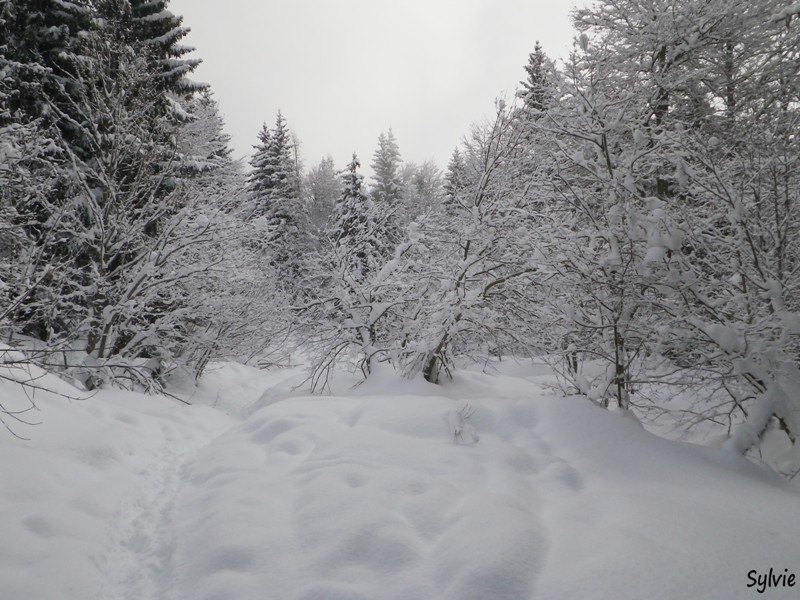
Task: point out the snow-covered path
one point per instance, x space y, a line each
139 551
85 503
138 563
265 492
340 497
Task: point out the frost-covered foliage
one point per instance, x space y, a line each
633 217
355 291
538 88
471 266
120 207
455 179
155 32
670 229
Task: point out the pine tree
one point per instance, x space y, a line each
323 188
387 187
43 41
422 190
537 89
259 180
274 193
156 33
97 194
455 180
284 182
203 144
353 223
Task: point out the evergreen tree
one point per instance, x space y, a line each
274 193
203 144
387 188
41 43
155 34
323 188
422 190
259 180
94 196
283 183
455 180
353 223
537 89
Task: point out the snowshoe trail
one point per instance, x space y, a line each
336 498
138 560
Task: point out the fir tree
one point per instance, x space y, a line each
283 178
41 43
156 33
259 180
98 209
273 190
387 189
351 222
455 180
537 89
204 154
346 310
323 188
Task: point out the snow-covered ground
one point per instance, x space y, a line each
258 490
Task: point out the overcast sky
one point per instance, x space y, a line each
343 71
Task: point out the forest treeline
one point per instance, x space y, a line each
631 216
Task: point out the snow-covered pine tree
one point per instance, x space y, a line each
537 89
422 190
274 192
43 41
108 223
133 231
233 310
40 40
155 34
387 187
354 224
455 181
204 149
322 189
287 217
259 179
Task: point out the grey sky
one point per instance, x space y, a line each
342 71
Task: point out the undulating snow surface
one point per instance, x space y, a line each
259 491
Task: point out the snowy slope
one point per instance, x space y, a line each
261 491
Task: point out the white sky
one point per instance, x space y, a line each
342 71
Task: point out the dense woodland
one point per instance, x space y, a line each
632 216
